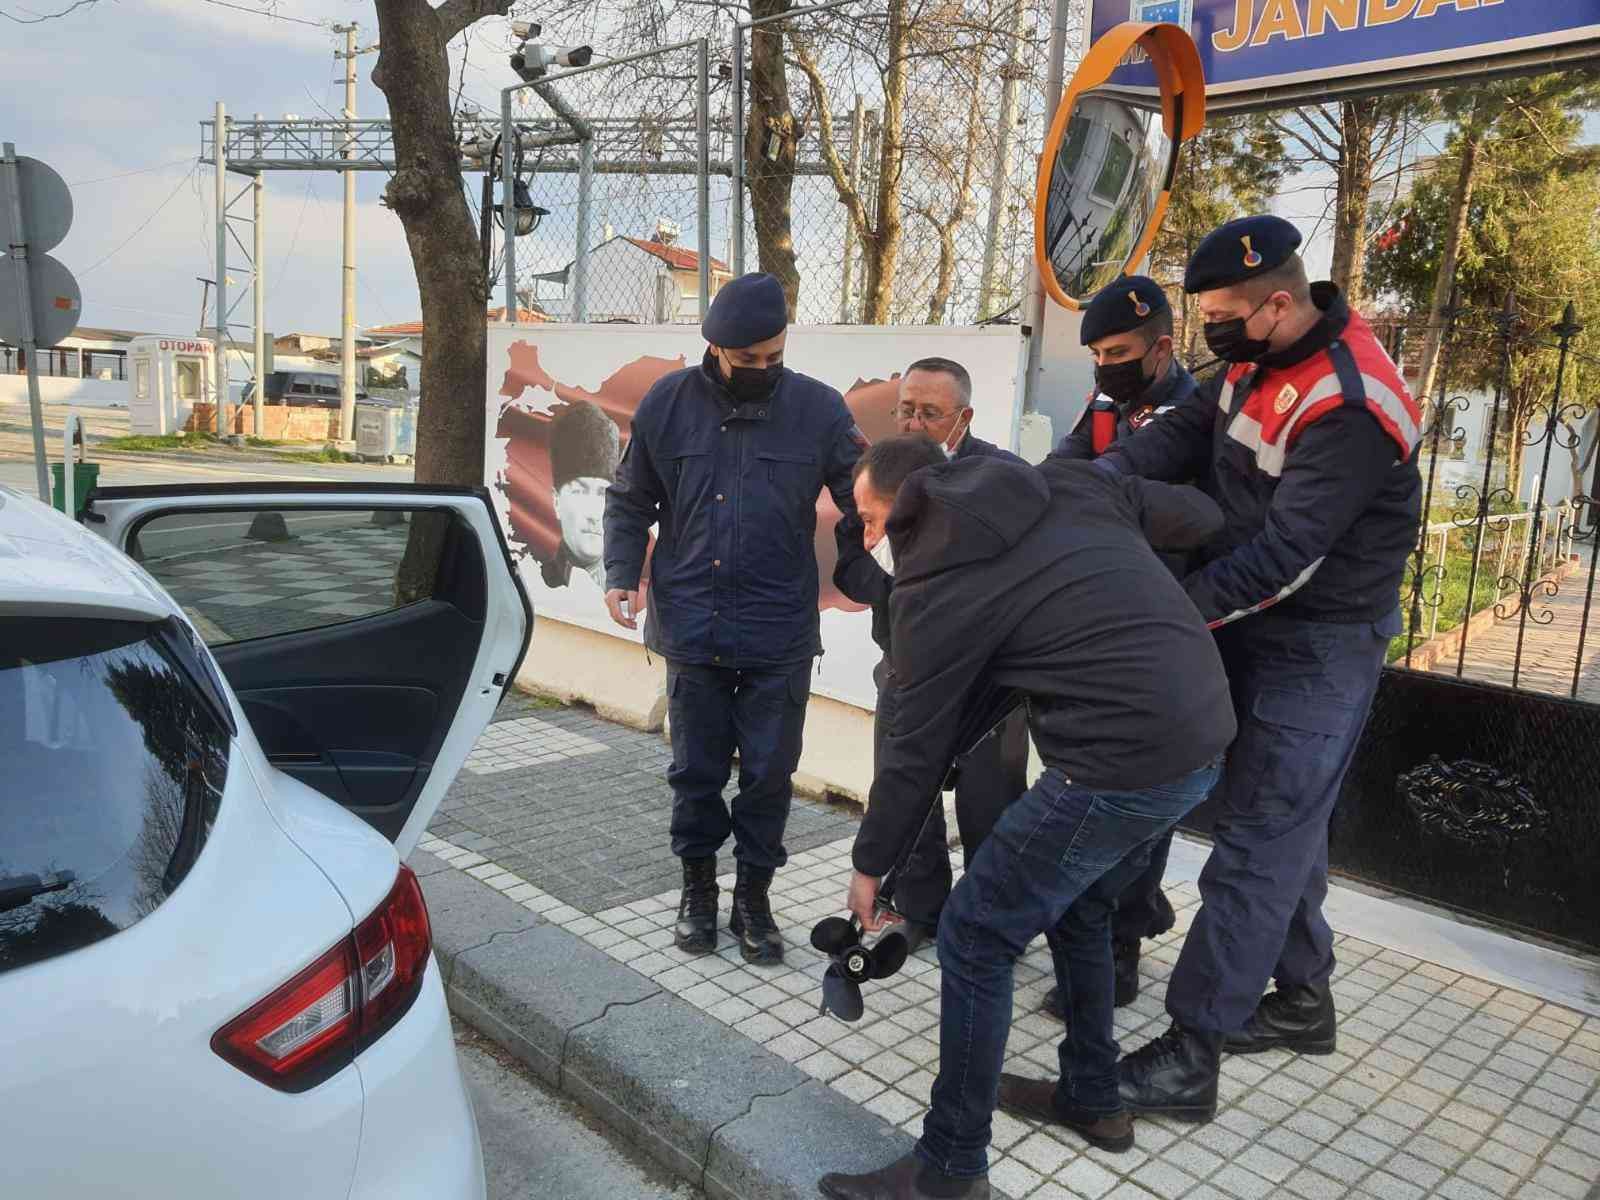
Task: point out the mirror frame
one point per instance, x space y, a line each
1183 114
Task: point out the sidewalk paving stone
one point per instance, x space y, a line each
1443 1085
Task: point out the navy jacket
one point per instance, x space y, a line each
1176 388
1311 454
1044 581
732 489
859 576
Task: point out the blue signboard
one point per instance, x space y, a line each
1252 44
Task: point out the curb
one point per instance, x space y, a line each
707 1103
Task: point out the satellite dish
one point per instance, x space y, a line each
1107 168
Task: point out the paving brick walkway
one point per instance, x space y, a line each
1444 1085
1550 637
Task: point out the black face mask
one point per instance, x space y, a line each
754 383
1123 381
1229 342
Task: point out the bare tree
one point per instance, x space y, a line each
426 192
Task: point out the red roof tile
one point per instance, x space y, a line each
676 257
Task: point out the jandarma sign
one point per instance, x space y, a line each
1248 45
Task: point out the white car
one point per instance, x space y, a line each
226 715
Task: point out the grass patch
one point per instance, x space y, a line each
264 442
328 454
167 441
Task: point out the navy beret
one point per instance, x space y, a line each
747 310
1121 308
1238 251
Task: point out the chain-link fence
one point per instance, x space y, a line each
885 171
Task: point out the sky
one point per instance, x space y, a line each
121 86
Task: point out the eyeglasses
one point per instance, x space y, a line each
928 416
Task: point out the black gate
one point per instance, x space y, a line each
1477 782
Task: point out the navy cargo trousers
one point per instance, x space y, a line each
715 712
1301 691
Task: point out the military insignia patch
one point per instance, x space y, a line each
1140 308
859 438
1138 420
1252 257
1285 400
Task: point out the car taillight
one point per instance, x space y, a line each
313 1026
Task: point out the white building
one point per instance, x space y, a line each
89 367
645 281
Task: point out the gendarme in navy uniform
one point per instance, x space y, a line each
1308 445
726 460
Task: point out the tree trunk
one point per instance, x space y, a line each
426 193
882 247
1472 135
1354 197
771 181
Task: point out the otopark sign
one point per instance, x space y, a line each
1257 52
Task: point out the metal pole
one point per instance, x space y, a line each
1000 181
259 291
19 252
702 120
220 160
738 150
1034 303
580 265
69 491
508 209
858 126
347 306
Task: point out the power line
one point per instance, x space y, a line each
130 174
145 223
37 20
262 12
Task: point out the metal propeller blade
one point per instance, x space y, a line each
840 996
832 934
889 954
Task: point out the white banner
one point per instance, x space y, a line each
552 382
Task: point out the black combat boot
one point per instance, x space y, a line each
908 1178
1173 1076
696 930
1294 1018
752 923
1125 961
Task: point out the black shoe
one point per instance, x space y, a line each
1297 1018
919 934
1165 919
1125 961
1173 1076
696 930
1035 1100
908 1179
759 940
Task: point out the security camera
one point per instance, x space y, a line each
526 29
534 62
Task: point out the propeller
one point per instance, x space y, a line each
852 962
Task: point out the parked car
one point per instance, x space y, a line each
216 974
300 389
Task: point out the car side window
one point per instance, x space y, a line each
241 574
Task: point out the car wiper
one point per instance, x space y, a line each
17 890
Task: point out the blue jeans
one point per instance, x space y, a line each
1051 847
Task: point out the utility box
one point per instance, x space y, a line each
386 432
170 376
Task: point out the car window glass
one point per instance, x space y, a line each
114 771
244 574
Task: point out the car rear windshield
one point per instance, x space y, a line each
113 755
